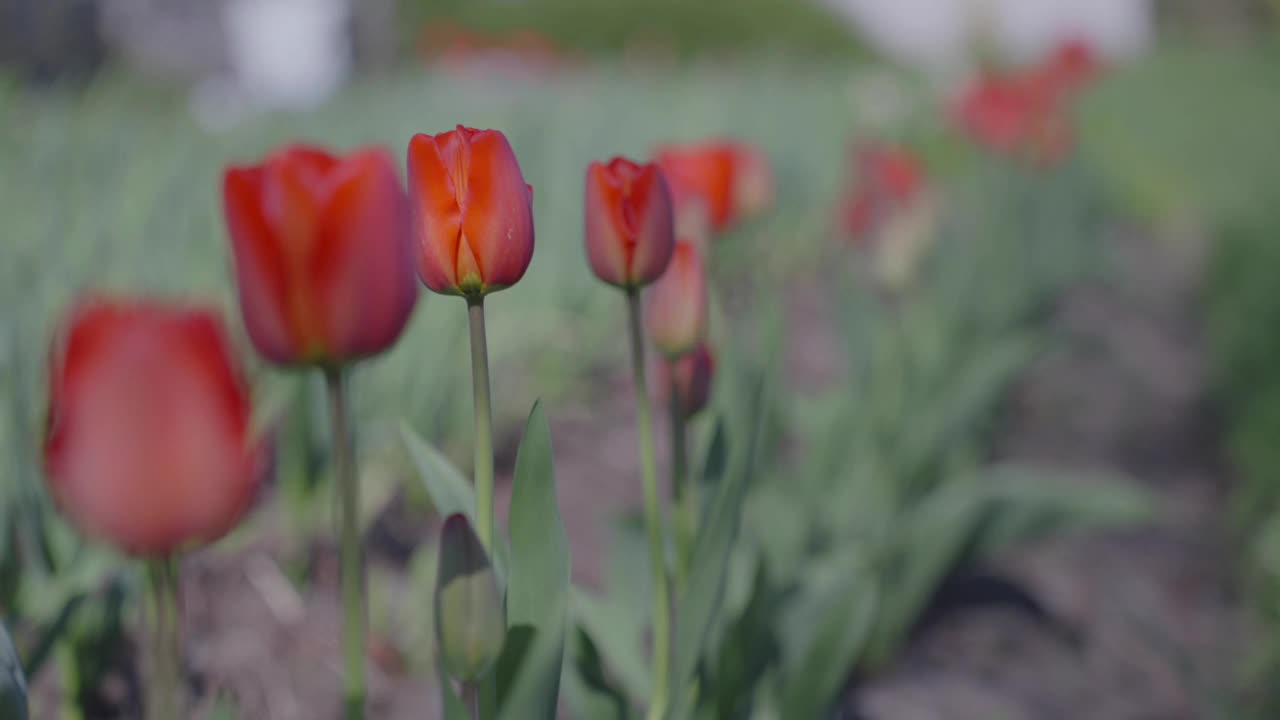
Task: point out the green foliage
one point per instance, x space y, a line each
13 685
1182 135
1242 310
609 26
537 581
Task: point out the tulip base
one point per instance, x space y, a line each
347 498
652 514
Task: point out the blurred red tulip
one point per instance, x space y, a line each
888 179
724 179
1025 113
630 231
472 212
148 443
690 375
322 253
676 305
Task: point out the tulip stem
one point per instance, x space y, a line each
652 515
486 694
484 424
164 700
351 571
681 488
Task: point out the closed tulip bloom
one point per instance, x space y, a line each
472 212
322 253
676 305
148 443
690 375
630 229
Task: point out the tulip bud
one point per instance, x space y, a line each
148 443
630 230
471 622
472 212
322 254
676 305
690 376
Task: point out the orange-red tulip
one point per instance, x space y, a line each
322 253
676 305
722 179
472 212
630 230
148 443
690 375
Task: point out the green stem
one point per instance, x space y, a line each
681 488
164 699
652 515
486 690
484 424
70 704
351 570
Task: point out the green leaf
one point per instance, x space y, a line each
589 691
842 616
698 606
449 489
538 592
1024 502
13 686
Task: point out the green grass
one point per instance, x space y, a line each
686 28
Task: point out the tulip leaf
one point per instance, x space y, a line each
841 617
589 690
698 606
538 591
448 488
13 686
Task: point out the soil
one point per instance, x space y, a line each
1151 609
1157 626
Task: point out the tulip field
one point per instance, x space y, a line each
776 391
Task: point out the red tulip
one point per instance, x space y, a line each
630 232
472 212
724 179
889 179
1026 113
676 305
690 375
148 443
322 253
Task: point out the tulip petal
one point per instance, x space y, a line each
606 242
437 219
654 221
260 267
362 264
148 432
497 219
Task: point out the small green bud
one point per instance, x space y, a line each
471 620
